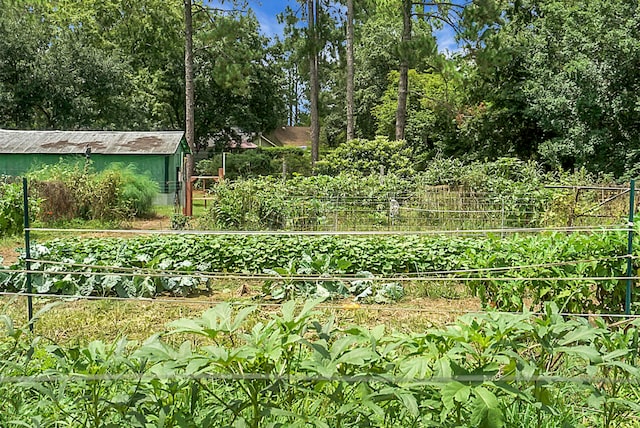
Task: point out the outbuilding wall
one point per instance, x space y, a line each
161 168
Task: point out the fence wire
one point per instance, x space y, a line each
600 229
351 306
408 276
294 378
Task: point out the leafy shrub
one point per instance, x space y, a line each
367 157
297 161
362 287
12 208
300 202
518 188
74 191
136 191
259 162
504 193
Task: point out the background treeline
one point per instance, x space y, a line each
550 80
118 64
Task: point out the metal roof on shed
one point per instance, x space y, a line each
100 142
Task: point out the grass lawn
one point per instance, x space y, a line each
81 321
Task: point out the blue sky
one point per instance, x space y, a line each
267 10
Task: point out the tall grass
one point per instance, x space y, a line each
74 190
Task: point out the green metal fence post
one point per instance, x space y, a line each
27 250
632 204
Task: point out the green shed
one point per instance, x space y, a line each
159 154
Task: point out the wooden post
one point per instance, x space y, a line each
188 204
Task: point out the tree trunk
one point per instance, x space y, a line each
188 87
189 102
312 8
403 84
290 97
296 105
350 73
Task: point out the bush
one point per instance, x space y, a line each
366 157
74 191
137 191
300 202
259 162
12 208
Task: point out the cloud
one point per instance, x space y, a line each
269 22
446 39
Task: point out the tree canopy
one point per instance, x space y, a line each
551 80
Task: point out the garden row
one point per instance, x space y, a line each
446 194
509 272
299 368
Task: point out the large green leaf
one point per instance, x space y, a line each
486 412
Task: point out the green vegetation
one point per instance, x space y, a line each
12 208
539 92
73 191
365 157
297 368
531 79
118 65
362 286
186 264
297 203
445 194
262 161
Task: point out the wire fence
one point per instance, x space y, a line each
432 203
436 207
446 215
63 268
300 378
57 269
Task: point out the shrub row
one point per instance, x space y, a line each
263 161
506 192
67 191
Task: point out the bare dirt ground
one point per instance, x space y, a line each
8 253
155 223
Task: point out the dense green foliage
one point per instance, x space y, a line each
503 272
447 193
300 202
75 191
119 65
298 368
12 208
536 79
368 157
561 75
274 161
